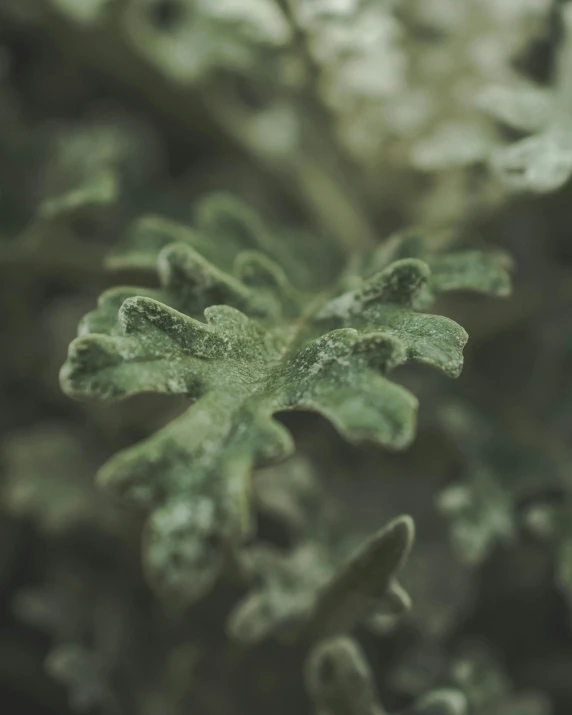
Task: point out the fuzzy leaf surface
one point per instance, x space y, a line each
233 334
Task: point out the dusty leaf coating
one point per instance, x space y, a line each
243 344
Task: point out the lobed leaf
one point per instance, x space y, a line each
230 331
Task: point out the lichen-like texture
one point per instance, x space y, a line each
233 334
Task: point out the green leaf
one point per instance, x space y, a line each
88 176
308 593
499 474
79 670
541 161
553 523
192 40
83 12
340 682
481 515
223 229
479 271
243 344
368 575
49 478
487 688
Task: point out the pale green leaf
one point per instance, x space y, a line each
233 334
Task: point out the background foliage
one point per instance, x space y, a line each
348 188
